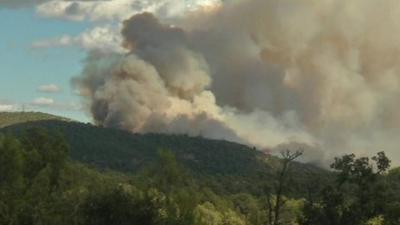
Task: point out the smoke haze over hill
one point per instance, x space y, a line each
322 75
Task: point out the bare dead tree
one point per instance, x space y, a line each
281 182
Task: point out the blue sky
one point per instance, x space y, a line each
23 69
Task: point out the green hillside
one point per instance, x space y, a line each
101 176
39 185
10 118
219 161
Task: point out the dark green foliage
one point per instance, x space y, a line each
393 205
30 172
226 167
122 206
196 182
43 151
11 165
170 174
360 194
39 186
10 162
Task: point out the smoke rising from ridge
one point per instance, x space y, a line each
323 74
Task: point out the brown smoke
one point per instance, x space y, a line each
319 73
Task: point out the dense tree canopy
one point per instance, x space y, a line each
360 195
41 185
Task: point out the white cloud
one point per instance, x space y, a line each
39 104
43 101
104 10
106 38
15 4
49 88
50 103
118 9
7 107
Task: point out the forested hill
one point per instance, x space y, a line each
11 118
116 177
123 151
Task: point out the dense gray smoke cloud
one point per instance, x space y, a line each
323 75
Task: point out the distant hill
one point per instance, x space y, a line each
11 118
221 161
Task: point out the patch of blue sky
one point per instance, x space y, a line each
23 69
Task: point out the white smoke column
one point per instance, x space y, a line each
323 74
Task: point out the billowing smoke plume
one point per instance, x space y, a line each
322 74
